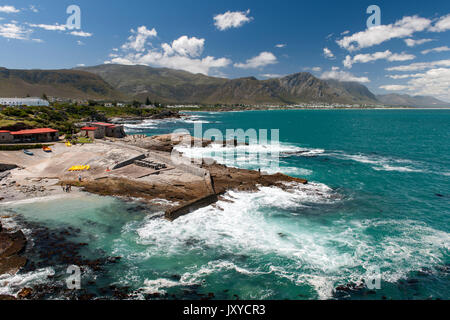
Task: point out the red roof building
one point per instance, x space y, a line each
89 128
103 124
34 131
29 135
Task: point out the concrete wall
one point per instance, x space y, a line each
115 132
191 206
129 161
6 137
88 133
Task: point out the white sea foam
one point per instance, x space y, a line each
380 163
386 167
293 171
255 155
311 253
12 284
193 278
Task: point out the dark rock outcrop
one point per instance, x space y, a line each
11 245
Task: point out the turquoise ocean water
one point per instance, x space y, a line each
378 199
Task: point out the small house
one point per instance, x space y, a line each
111 130
93 132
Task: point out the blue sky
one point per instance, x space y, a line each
408 53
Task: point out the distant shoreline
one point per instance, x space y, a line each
306 108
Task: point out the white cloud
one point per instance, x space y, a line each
182 54
327 53
138 38
443 24
14 31
434 82
8 9
80 43
185 46
316 69
230 19
81 34
421 66
394 87
345 32
271 75
413 43
386 55
159 59
281 45
405 27
33 8
343 76
261 60
50 27
81 65
438 49
399 76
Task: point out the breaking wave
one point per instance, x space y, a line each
12 284
265 227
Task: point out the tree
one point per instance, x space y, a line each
44 96
148 102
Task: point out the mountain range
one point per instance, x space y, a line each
58 83
411 101
125 83
176 86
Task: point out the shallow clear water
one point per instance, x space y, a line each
379 197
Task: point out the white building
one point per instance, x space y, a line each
29 102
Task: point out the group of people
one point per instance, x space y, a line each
67 188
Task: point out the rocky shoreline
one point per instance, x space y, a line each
12 245
45 176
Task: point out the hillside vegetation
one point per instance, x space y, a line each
63 117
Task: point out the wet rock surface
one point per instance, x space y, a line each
12 244
56 249
52 248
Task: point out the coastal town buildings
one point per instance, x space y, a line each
29 102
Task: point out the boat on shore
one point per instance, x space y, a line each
29 153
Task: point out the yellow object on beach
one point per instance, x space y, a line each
80 168
68 144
